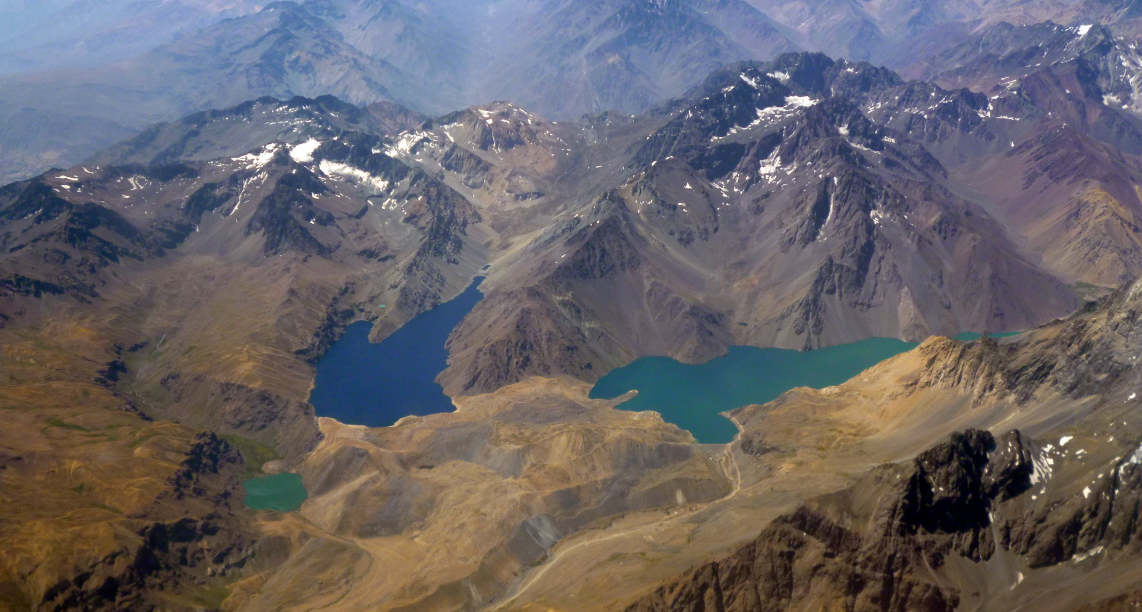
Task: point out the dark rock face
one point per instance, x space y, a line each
472 168
19 284
800 553
526 346
601 251
198 544
210 455
948 502
1105 517
283 215
233 131
288 426
1083 355
63 246
946 492
337 317
807 556
442 214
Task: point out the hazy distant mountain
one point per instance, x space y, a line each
1110 65
44 34
141 62
562 58
895 32
282 51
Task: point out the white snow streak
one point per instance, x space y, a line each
303 153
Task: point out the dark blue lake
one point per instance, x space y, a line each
692 396
363 383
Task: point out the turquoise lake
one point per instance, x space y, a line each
362 383
692 396
281 492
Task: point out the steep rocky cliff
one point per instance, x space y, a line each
979 520
926 535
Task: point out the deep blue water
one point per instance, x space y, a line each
692 396
362 383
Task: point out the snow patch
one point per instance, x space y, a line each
792 103
261 177
1063 440
770 164
1097 550
800 101
344 170
1083 30
1043 464
406 141
303 153
752 82
780 76
259 160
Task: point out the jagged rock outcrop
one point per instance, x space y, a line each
890 541
201 539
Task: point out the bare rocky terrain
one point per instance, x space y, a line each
990 521
163 304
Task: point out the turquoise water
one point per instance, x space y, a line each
362 383
281 492
692 396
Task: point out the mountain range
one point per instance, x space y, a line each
91 76
628 179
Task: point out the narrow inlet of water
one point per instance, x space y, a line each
362 383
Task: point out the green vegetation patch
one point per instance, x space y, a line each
253 452
57 422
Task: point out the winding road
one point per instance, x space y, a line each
727 461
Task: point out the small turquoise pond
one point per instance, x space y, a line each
281 492
362 383
692 396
